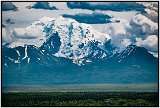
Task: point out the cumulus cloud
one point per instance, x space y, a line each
151 14
140 19
141 27
42 5
150 5
151 10
150 43
27 34
125 42
94 18
125 32
113 6
117 31
6 37
22 36
6 6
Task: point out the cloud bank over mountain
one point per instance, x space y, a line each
125 22
127 31
22 36
151 42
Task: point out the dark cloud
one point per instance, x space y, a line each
42 5
94 18
6 6
113 6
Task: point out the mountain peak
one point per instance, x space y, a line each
64 37
131 46
133 53
74 40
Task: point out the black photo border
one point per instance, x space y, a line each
78 1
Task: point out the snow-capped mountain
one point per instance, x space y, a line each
73 40
71 53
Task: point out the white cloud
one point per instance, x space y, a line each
152 14
150 43
118 28
6 38
27 33
117 31
146 24
23 36
150 5
126 42
126 31
114 29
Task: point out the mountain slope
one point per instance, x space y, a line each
49 70
74 53
73 40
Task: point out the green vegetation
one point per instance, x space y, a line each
81 99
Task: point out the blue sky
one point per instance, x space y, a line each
125 22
